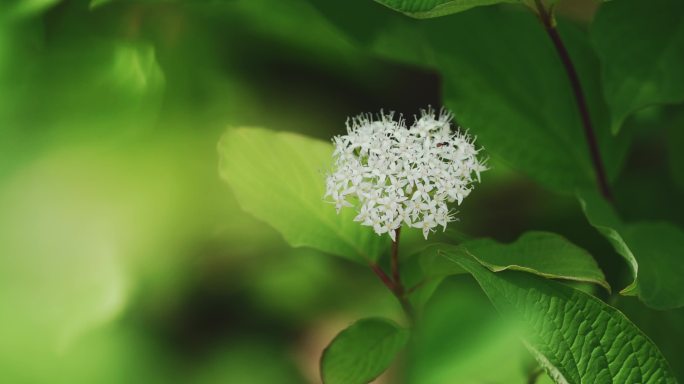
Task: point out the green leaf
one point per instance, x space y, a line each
665 328
641 47
280 179
658 247
652 250
478 339
362 352
521 107
541 253
424 9
574 336
603 217
675 141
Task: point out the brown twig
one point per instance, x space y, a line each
395 261
394 284
546 18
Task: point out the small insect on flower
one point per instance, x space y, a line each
393 174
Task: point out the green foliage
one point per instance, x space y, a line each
675 141
280 179
651 250
665 328
641 46
541 253
521 106
123 257
362 352
423 9
657 246
575 337
19 9
247 362
479 339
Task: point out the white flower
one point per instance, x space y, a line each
394 174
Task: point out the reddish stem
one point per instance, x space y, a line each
394 284
547 20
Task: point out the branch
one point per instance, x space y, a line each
549 25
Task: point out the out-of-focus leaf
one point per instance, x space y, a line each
652 251
675 142
95 90
248 362
362 352
110 355
423 9
82 225
295 284
641 47
129 72
574 336
658 247
60 271
478 339
280 179
98 3
19 9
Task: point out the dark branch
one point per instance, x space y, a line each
547 20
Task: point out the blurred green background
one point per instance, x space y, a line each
124 258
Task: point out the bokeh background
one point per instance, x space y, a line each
125 259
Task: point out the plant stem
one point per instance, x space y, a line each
546 19
395 261
383 276
394 284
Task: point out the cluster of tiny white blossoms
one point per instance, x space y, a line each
395 174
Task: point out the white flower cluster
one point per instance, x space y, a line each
394 174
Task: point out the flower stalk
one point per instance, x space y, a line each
394 283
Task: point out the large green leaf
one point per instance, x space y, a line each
478 339
665 328
280 179
652 250
423 9
541 253
362 352
574 336
641 47
510 89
